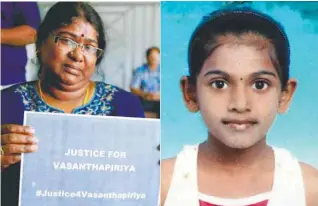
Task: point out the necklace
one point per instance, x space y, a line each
85 101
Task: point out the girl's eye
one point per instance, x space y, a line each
260 85
219 84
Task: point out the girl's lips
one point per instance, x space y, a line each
239 124
239 127
239 121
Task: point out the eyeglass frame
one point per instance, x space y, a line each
56 39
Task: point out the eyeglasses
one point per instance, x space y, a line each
70 45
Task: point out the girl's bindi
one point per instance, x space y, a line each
82 35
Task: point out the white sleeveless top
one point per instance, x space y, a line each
288 187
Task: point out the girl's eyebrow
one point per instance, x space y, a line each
226 75
217 72
264 72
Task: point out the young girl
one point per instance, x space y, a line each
239 80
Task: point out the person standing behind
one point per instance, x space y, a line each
19 22
146 83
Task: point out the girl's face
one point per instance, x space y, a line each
238 92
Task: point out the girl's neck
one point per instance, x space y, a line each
215 152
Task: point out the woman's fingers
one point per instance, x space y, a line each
10 149
18 139
14 128
10 159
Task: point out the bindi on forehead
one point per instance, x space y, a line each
82 35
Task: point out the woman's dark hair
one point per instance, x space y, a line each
63 13
238 21
154 48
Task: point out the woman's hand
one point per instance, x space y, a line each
156 97
16 139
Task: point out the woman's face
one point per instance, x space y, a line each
238 93
69 68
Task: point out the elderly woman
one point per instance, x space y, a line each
70 43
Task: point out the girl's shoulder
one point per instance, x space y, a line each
166 169
310 176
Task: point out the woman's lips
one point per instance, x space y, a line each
71 69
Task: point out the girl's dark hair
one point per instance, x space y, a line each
238 21
63 13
